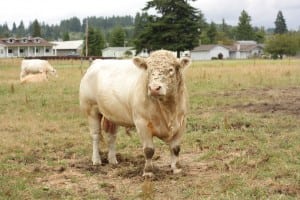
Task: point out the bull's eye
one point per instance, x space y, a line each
171 71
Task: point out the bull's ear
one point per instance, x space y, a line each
140 62
185 62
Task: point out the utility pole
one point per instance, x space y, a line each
86 37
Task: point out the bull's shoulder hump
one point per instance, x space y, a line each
111 65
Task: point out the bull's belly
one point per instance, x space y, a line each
117 113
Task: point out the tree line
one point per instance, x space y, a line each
176 26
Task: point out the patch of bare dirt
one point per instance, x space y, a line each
292 190
268 100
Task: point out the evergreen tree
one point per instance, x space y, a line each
176 27
36 29
95 42
70 25
139 26
223 34
212 33
260 35
117 37
224 27
244 28
66 36
5 32
21 30
280 25
14 29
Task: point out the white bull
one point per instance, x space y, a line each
149 94
34 66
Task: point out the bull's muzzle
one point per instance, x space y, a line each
155 89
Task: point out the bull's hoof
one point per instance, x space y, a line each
97 162
113 161
177 171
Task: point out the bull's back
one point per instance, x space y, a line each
33 65
111 85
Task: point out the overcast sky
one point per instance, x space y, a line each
262 12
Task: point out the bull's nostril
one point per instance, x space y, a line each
158 88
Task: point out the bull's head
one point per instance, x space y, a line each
52 71
164 72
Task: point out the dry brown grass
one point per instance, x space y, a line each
242 140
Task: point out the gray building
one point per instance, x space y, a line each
67 48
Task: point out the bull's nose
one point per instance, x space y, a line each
154 89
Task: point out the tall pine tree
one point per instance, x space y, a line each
212 33
36 29
244 28
117 37
280 25
21 30
14 29
176 27
95 42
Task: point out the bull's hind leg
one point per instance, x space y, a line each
94 119
111 129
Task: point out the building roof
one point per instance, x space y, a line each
207 47
244 46
24 41
118 49
73 44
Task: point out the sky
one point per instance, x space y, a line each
262 12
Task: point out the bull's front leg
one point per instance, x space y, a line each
148 146
174 158
148 152
174 146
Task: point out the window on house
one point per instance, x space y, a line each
11 40
37 50
21 50
37 40
1 51
47 50
10 51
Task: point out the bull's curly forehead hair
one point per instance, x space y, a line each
156 58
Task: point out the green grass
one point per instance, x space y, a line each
242 139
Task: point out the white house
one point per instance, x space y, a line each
117 52
245 49
24 47
239 50
67 48
207 52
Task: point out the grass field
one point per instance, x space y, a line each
242 139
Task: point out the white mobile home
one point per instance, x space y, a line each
24 47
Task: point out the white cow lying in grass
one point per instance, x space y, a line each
35 66
35 78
